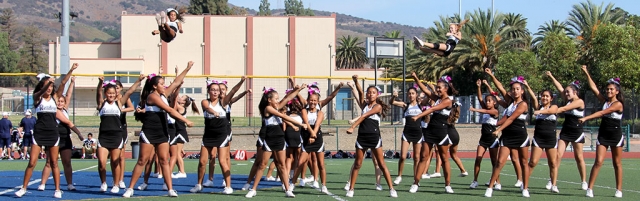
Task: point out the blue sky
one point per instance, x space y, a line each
422 13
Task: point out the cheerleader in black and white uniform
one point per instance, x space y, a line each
453 37
45 132
274 137
610 131
544 136
292 133
424 124
181 136
412 133
455 136
487 142
154 134
572 130
438 131
217 134
515 137
127 106
169 23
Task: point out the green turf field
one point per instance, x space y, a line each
432 189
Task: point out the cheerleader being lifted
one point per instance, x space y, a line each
453 37
169 23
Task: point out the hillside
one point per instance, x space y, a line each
99 20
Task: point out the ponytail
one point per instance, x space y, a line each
455 113
384 106
194 107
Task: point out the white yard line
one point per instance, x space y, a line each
38 181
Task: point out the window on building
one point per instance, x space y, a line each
124 79
191 90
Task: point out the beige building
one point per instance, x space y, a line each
222 47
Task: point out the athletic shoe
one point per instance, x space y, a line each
21 192
163 16
488 192
224 183
309 179
589 193
159 19
497 186
413 189
448 189
585 186
315 184
349 193
196 189
227 190
555 189
473 185
436 175
398 180
143 187
128 193
179 175
153 174
521 188
164 187
549 185
284 188
302 183
41 187
271 178
487 184
122 185
618 194
292 186
71 187
289 194
115 189
277 179
417 42
57 194
378 187
250 194
347 186
103 187
426 176
393 193
173 193
11 158
518 184
208 183
246 187
525 193
324 189
464 174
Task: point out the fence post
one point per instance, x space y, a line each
628 148
330 108
337 139
395 139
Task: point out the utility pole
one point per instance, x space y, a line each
64 40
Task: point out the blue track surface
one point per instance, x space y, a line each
88 186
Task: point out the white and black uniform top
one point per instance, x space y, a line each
515 135
544 135
610 131
412 129
45 132
110 135
572 129
154 126
487 139
438 130
424 125
318 144
216 128
274 135
65 133
369 130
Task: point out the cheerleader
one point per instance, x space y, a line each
154 134
455 137
427 102
453 38
610 131
437 133
515 137
487 141
111 139
412 133
64 129
544 136
182 103
572 130
292 133
216 136
274 137
127 107
46 128
169 23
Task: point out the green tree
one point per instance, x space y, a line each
214 7
551 27
520 63
350 53
296 7
8 62
585 19
8 22
558 53
516 26
32 55
616 54
265 9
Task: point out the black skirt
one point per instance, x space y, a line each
487 140
412 131
181 134
544 135
454 136
45 132
610 133
154 128
293 137
316 146
515 135
216 132
274 138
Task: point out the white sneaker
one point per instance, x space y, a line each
589 193
378 187
349 193
21 192
315 184
271 178
122 185
473 185
227 190
487 184
159 176
292 186
250 194
164 187
196 189
115 189
208 183
488 193
289 194
309 179
555 189
398 180
497 186
103 187
159 20
164 17
549 185
518 184
585 186
179 175
435 175
71 187
278 179
413 189
154 175
57 194
173 193
302 183
426 176
448 189
347 186
464 174
525 193
324 189
143 187
41 187
618 194
393 193
128 193
246 187
224 183
417 42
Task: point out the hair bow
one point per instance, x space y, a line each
445 78
112 82
313 84
288 91
415 85
267 90
614 81
379 90
191 99
42 75
314 91
518 79
223 82
151 76
456 104
171 9
576 84
494 93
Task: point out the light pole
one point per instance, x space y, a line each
329 88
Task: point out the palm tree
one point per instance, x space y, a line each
350 54
586 17
551 27
516 26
